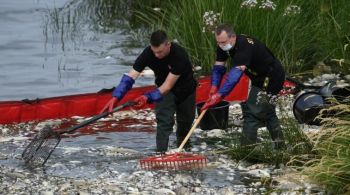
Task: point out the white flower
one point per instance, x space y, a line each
267 4
210 20
292 10
156 9
205 14
249 3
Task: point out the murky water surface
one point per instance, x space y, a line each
107 154
91 156
104 158
62 47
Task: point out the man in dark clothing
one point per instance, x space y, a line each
176 87
266 73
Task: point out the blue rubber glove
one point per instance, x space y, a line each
216 76
124 86
153 96
232 79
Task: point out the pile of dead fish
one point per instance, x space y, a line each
223 175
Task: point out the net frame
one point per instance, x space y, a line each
41 147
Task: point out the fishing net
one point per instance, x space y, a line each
41 147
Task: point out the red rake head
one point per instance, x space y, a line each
176 161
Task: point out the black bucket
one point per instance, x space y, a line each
216 116
331 90
307 106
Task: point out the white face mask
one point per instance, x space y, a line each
226 47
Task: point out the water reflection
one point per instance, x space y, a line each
74 46
76 20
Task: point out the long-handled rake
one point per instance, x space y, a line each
46 140
177 161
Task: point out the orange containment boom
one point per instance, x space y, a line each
91 103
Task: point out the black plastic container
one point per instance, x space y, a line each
216 116
307 106
331 90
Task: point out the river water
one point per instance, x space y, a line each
62 47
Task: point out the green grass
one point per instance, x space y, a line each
331 167
318 33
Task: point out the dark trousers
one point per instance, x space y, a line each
165 110
259 114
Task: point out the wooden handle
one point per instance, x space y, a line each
191 130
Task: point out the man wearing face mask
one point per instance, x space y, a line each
249 56
176 88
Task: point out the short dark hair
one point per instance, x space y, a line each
224 27
158 37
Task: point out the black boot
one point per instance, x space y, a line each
162 145
277 138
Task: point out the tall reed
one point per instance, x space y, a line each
310 31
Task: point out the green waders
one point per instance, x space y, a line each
165 110
258 114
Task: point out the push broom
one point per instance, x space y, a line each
177 161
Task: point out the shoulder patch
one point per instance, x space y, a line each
250 40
